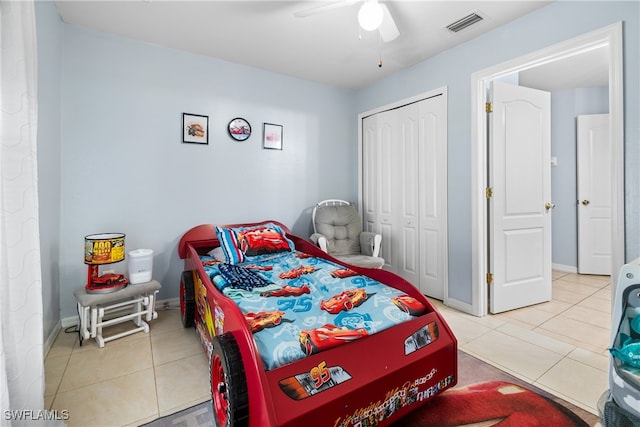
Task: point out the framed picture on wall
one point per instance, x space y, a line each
272 136
195 128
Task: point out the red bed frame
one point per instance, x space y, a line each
384 385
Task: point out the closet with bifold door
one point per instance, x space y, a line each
404 189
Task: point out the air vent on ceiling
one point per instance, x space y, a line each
463 23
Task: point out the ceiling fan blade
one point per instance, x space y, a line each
323 8
388 29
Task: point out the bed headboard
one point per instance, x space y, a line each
204 235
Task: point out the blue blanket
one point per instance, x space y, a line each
301 305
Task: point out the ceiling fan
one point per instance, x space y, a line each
372 16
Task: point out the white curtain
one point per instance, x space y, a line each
21 330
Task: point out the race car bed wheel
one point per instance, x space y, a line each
228 383
187 299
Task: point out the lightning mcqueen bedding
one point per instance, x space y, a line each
295 336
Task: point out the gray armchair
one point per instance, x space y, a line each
337 230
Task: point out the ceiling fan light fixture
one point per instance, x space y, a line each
370 15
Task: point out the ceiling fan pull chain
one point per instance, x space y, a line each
380 57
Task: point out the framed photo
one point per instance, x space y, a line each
195 128
272 136
239 129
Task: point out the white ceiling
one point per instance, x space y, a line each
587 69
324 47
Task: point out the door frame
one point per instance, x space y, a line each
442 91
610 36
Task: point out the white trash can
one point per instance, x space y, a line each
140 266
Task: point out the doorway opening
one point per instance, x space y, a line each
609 37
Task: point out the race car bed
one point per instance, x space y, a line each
295 337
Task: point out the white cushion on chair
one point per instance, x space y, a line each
362 260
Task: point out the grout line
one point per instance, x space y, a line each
593 410
155 377
64 371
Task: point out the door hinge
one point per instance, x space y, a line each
488 107
489 278
488 192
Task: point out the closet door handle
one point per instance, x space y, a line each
585 202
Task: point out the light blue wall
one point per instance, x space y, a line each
122 166
552 24
566 105
49 42
126 170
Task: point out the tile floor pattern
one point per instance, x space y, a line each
559 346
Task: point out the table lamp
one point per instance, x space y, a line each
101 249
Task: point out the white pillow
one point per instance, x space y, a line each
217 254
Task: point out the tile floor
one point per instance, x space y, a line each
559 346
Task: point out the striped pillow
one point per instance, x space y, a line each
229 244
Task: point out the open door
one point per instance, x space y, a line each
594 195
519 195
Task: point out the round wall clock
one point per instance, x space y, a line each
239 129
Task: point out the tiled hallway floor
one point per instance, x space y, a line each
559 346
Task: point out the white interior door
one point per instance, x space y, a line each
421 195
520 207
594 195
408 194
404 189
379 134
432 155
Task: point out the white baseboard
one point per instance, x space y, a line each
166 304
48 342
69 321
459 305
565 268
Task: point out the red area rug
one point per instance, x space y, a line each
484 396
492 403
487 396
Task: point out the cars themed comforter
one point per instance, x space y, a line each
297 305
